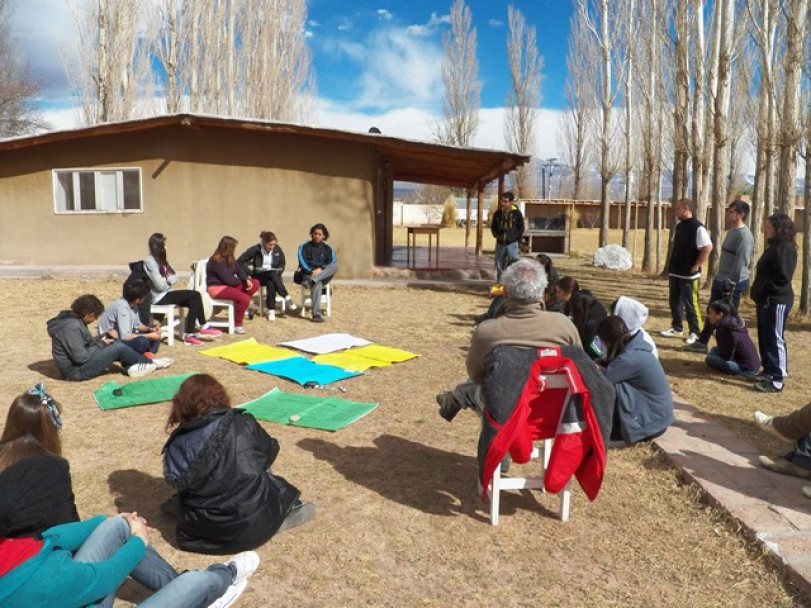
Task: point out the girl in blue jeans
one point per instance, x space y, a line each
84 563
735 354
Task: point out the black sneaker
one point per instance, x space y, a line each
318 319
767 386
448 407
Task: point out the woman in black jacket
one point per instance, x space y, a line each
265 261
774 297
218 459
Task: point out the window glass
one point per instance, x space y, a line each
94 191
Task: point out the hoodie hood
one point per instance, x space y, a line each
61 321
633 312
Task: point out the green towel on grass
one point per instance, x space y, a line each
316 412
140 392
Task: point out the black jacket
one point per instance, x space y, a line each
36 494
251 260
507 227
229 501
773 274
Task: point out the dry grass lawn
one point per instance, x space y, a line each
399 522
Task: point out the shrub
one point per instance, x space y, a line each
449 215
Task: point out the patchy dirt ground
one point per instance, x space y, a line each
399 522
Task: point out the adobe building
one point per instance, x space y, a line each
92 196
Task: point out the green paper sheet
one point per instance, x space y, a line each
140 392
314 412
248 352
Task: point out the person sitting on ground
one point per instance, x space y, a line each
122 315
84 563
735 354
792 428
162 277
265 261
36 494
586 312
226 280
318 265
644 406
35 487
552 277
218 460
521 321
564 288
79 356
635 314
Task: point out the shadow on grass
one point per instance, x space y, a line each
138 491
424 478
47 368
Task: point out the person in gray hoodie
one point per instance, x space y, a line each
80 356
635 314
644 406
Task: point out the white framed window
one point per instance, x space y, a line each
97 190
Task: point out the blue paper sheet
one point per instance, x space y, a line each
301 370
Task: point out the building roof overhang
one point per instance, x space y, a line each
408 160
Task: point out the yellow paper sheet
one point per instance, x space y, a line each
350 360
385 353
248 352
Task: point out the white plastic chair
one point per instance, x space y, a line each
173 317
500 484
198 283
540 455
281 305
326 300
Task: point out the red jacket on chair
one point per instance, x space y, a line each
544 412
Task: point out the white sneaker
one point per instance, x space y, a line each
230 596
162 363
766 423
672 333
271 315
239 330
141 369
691 339
289 303
245 564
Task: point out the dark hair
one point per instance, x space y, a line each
741 207
567 284
614 335
225 251
723 307
87 304
198 395
267 236
551 272
508 196
30 429
320 227
783 228
157 247
135 290
579 307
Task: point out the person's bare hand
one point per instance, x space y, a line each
316 272
113 334
138 526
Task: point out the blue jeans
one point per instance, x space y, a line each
193 589
142 345
103 358
715 361
504 255
316 284
717 293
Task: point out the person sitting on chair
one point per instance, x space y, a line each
79 356
226 280
318 265
265 261
122 316
520 322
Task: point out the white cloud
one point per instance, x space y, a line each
399 71
384 14
495 23
427 29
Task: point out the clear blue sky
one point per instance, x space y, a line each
376 61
